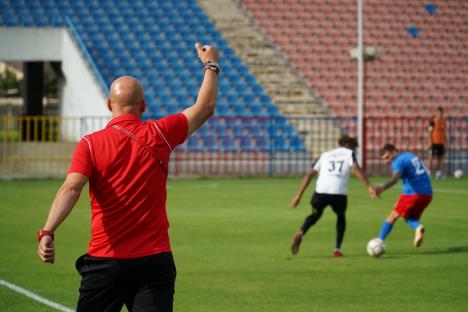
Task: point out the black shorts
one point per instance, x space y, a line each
438 150
142 284
338 202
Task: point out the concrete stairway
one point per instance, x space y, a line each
292 96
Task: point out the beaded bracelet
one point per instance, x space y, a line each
212 66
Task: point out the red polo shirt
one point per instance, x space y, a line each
127 184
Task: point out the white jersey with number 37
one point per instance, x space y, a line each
334 168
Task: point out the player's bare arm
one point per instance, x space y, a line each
304 184
64 201
391 182
204 107
357 171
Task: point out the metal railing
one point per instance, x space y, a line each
41 146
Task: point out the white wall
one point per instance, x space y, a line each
80 93
30 44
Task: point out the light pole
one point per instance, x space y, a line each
360 91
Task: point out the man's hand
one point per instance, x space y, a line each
372 191
46 249
295 201
206 53
379 189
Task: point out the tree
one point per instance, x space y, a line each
9 84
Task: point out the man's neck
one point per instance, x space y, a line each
121 113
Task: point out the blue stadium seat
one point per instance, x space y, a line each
273 111
241 110
154 41
222 110
237 130
258 109
246 144
210 144
194 144
279 143
227 144
263 144
297 144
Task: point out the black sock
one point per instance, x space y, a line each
340 229
311 220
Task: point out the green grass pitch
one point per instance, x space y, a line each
231 237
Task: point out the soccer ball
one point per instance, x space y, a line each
376 247
458 174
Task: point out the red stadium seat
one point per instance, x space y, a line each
419 72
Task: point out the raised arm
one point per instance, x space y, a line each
357 171
64 201
304 184
204 107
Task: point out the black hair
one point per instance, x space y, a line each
388 148
347 141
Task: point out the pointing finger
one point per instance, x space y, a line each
199 47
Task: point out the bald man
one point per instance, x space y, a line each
129 259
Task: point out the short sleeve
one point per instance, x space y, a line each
397 166
82 160
353 159
174 128
316 165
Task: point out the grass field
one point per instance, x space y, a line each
231 237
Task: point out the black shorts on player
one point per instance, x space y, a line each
338 203
438 150
142 284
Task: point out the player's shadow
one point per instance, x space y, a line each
438 251
397 255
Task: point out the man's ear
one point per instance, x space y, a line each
143 106
109 105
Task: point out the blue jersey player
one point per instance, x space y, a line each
416 193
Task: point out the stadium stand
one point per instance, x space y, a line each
153 41
280 82
421 64
422 47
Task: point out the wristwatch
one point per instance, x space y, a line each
42 233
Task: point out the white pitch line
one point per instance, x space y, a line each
33 296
